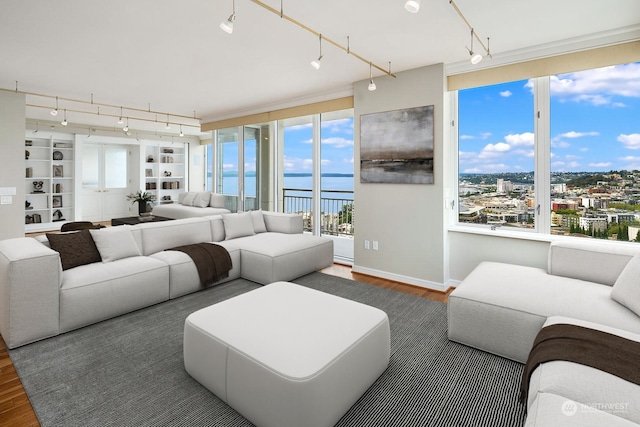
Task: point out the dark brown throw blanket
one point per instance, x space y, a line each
601 350
212 261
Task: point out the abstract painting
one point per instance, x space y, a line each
397 146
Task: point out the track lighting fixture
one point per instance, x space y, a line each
64 122
126 127
181 133
412 6
372 85
316 62
227 25
167 125
120 120
475 57
54 112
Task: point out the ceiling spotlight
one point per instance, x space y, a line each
316 62
120 120
372 85
54 112
475 57
181 133
64 122
126 127
412 6
227 25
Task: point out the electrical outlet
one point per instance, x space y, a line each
375 245
366 244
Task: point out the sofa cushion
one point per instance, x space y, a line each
188 199
75 248
202 199
91 293
271 257
258 222
158 236
626 290
216 200
238 225
114 243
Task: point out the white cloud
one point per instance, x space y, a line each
506 93
584 149
229 166
483 135
572 157
598 86
496 167
631 141
526 138
338 142
339 126
574 134
494 150
574 165
558 142
295 164
467 157
632 162
600 164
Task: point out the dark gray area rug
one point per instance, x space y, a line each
128 371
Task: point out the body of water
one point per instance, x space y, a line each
342 183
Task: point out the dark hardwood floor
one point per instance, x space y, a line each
16 410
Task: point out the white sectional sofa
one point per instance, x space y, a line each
192 204
500 308
38 299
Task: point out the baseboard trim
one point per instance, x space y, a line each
400 278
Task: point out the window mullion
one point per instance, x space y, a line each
542 155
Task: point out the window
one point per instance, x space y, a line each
496 155
575 171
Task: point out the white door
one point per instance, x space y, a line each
104 182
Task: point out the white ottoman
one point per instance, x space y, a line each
287 356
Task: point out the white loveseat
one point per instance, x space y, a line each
38 299
192 204
500 308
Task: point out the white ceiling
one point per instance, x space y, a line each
172 56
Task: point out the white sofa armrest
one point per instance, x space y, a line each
594 261
283 222
30 278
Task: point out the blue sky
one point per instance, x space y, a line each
595 123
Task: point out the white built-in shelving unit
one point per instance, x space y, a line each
164 170
49 181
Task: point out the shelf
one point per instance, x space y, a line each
42 167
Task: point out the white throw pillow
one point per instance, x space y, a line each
202 199
115 243
626 290
238 225
258 222
189 198
217 200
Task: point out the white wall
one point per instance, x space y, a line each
407 220
12 173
